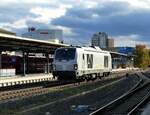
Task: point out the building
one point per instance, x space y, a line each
126 50
3 31
141 46
100 39
110 43
52 35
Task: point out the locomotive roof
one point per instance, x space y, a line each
91 49
94 49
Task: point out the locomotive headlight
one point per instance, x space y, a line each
75 66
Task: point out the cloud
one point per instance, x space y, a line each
138 4
17 24
130 40
45 15
120 20
30 13
123 19
67 31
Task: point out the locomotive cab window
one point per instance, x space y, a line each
105 61
65 54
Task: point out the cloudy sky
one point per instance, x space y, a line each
127 21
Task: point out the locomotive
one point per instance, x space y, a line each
81 63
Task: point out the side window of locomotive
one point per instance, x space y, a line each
105 61
90 60
83 56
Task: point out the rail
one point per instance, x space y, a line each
33 91
104 109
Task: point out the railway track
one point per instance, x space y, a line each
34 91
21 93
128 103
39 90
136 109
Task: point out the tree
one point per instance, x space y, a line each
142 59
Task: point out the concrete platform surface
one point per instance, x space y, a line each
30 78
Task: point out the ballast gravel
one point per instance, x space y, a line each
87 101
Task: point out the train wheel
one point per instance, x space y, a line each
99 77
87 78
104 74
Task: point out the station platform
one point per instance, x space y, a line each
35 78
29 78
124 69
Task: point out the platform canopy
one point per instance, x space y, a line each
114 54
15 43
